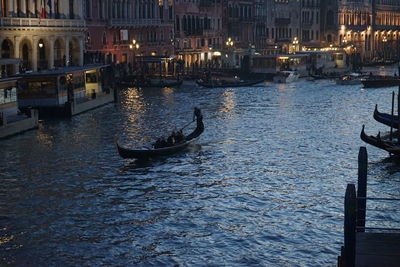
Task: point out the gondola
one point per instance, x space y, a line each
387 119
376 141
147 153
150 84
223 83
380 81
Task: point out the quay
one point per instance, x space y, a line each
366 246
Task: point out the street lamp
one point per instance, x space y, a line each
134 46
295 42
229 44
384 41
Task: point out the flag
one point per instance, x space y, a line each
49 4
43 9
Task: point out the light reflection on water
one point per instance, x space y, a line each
263 186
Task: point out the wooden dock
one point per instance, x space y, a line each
377 249
363 246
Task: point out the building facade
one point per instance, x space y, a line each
199 35
44 34
370 28
121 30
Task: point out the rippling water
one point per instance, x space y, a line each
263 186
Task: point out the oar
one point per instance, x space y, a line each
186 125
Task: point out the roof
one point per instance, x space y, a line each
280 55
10 61
61 71
154 59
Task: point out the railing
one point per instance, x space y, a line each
138 22
355 206
35 22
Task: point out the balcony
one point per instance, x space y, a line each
282 21
138 22
35 22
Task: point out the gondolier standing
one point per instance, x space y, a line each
200 125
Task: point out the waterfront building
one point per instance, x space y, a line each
199 37
386 30
45 34
239 24
329 23
281 28
310 12
120 31
370 28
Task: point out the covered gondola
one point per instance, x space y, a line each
167 150
387 119
390 146
224 83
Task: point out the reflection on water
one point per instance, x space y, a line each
264 185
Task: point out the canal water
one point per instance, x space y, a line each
263 186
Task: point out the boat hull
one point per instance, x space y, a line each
376 83
391 147
227 84
387 119
127 153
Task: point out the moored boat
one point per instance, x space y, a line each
387 119
145 153
152 83
225 83
376 141
286 76
351 79
380 81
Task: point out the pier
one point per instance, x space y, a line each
366 246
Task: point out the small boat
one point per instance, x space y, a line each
225 83
152 83
351 79
387 119
376 141
380 81
286 76
146 153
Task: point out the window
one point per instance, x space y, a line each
8 95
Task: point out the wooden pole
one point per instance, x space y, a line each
391 125
350 213
362 188
398 115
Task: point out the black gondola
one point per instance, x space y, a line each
154 152
380 81
223 83
387 119
151 84
376 141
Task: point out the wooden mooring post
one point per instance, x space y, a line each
362 188
350 213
